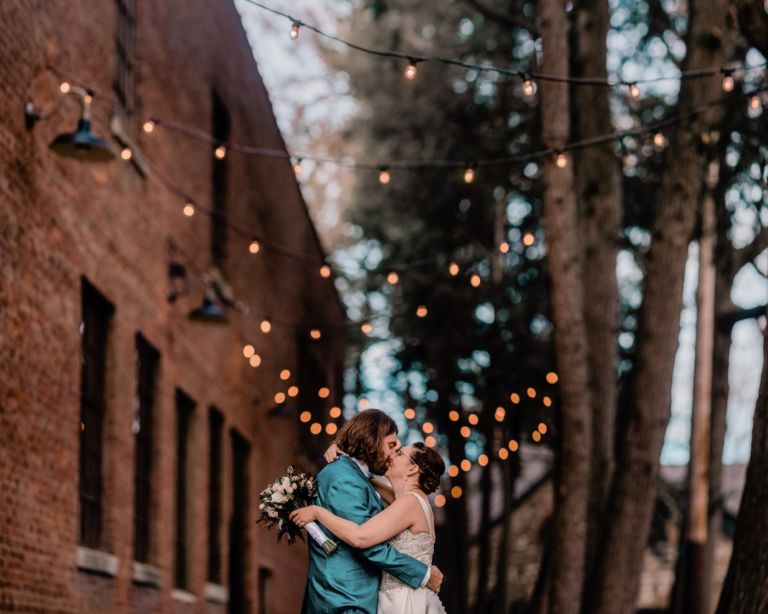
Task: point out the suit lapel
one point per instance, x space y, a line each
375 496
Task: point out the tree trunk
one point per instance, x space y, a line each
599 191
697 518
746 586
565 268
634 485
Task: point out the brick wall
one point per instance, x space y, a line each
62 220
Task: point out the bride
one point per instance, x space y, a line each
407 523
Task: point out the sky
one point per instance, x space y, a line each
310 101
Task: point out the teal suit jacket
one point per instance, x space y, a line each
348 580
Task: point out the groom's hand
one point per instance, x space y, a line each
435 580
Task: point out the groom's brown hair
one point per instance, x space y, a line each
362 436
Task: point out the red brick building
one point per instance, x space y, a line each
135 440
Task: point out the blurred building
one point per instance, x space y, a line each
135 439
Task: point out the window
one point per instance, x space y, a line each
125 60
238 528
220 130
216 426
97 316
147 364
265 590
185 408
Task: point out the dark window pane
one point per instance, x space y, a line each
184 412
216 425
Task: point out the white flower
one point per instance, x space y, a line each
279 498
272 513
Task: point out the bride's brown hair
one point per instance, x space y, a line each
431 467
362 436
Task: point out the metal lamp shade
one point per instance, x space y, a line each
210 312
82 145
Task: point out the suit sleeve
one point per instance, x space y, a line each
347 499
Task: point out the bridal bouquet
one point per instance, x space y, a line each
279 499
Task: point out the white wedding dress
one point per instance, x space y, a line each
398 598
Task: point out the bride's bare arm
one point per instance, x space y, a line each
380 528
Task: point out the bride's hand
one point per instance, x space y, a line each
332 453
304 515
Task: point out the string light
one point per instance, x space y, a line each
659 141
473 419
324 393
367 328
513 445
409 413
384 176
266 326
542 428
331 428
297 166
248 351
634 90
529 87
430 441
504 247
531 392
561 160
220 152
547 402
149 126
254 247
255 360
422 311
293 391
552 378
465 432
475 281
754 102
503 454
280 398
529 239
728 81
466 465
410 70
334 412
305 416
456 492
536 436
440 501
482 460
64 87
515 398
315 333
316 428
453 415
295 30
469 175
427 427
189 209
393 278
285 374
453 269
325 271
453 471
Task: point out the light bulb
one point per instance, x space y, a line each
754 102
325 271
475 280
393 278
220 152
528 239
453 269
149 126
634 91
552 377
255 360
285 374
297 167
189 209
410 70
295 30
728 82
561 160
335 412
64 87
248 351
469 175
659 141
315 333
384 176
504 247
366 328
324 393
422 311
126 153
254 247
305 416
266 326
529 88
409 413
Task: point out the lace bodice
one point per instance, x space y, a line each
420 546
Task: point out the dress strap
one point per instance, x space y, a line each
427 512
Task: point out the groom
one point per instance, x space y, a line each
348 580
